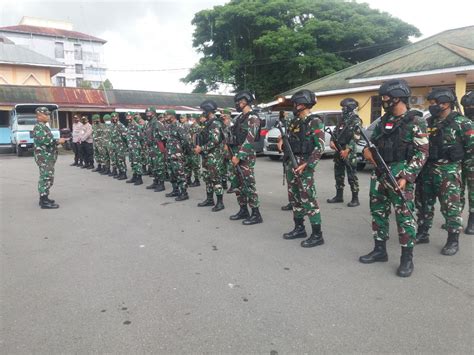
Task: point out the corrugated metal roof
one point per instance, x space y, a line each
448 49
51 32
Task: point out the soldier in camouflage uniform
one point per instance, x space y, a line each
143 123
451 144
45 153
195 158
134 140
184 124
245 132
226 122
211 146
345 132
97 137
177 145
306 139
107 153
155 136
402 141
467 102
118 146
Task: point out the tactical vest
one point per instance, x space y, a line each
392 143
240 132
298 132
439 149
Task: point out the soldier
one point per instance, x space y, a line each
155 137
45 153
195 158
107 148
467 101
403 144
184 124
306 139
451 140
177 145
143 123
134 140
226 122
244 134
97 142
346 160
211 146
118 146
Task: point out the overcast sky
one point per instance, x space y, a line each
157 34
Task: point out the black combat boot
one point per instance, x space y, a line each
338 198
406 262
174 192
422 235
74 164
98 169
195 183
378 254
132 179
224 184
106 171
452 244
46 203
209 201
188 181
355 200
160 186
288 207
115 173
254 218
109 172
84 166
219 205
138 180
298 232
242 214
153 185
470 224
183 195
122 176
90 166
315 239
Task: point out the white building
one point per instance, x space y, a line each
82 54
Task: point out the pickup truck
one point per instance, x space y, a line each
22 121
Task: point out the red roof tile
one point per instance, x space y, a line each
52 32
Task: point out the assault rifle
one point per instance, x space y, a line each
238 168
339 150
383 169
290 154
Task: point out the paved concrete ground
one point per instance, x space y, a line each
119 269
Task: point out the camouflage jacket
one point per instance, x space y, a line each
346 132
414 134
313 138
118 134
177 140
134 135
215 141
43 140
249 123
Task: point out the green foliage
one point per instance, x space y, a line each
270 46
107 84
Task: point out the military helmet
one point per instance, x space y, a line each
95 117
106 117
395 88
170 112
208 106
442 95
114 114
468 99
350 103
151 109
245 94
226 111
304 97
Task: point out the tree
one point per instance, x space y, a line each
107 84
85 84
270 46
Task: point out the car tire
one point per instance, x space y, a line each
13 148
274 157
19 152
360 166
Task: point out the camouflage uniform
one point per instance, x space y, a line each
467 101
155 135
134 140
195 159
97 137
118 147
46 154
177 145
107 149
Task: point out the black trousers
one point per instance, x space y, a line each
87 152
76 148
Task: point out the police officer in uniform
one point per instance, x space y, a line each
306 139
245 133
402 141
467 101
346 160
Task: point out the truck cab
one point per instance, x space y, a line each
23 119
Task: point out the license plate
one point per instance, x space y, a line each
23 145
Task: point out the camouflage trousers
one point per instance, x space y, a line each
232 175
45 164
106 156
97 152
303 197
135 156
468 181
382 197
176 169
211 174
442 182
340 169
246 190
145 155
193 166
117 158
157 163
225 169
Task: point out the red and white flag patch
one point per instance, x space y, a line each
389 125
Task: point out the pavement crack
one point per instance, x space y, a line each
453 285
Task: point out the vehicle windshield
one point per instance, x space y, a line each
27 120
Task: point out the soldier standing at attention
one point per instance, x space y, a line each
118 146
451 144
134 138
195 158
345 132
306 139
402 141
106 148
245 133
97 142
467 102
177 145
45 153
211 145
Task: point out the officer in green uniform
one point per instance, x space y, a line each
45 153
467 101
402 141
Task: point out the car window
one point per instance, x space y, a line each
331 119
26 121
